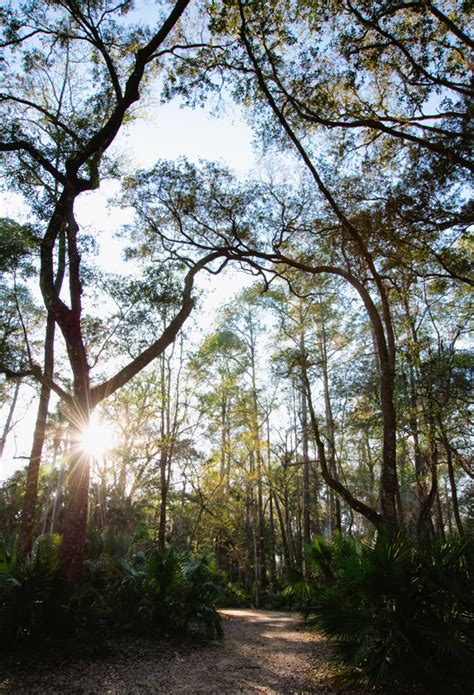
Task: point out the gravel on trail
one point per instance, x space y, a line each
262 652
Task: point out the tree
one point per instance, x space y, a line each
245 318
17 246
31 491
218 367
66 136
270 239
365 71
309 337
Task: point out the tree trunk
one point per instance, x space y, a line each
248 536
163 498
452 479
439 518
57 499
165 434
77 507
357 505
8 422
304 434
334 504
284 538
262 555
273 568
31 493
425 523
28 514
306 470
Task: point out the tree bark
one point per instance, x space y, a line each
304 436
425 524
273 568
284 538
452 479
8 421
28 514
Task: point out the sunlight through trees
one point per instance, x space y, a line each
310 439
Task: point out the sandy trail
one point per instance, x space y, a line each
263 652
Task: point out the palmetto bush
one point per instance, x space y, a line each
26 591
123 592
393 610
151 593
166 592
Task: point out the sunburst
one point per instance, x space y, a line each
99 437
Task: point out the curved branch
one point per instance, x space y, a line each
101 391
350 229
453 28
105 136
15 373
357 505
47 381
372 24
50 116
25 146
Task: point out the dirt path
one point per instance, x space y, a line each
263 652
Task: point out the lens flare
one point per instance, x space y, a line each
98 438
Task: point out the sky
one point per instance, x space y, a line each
164 131
167 131
171 131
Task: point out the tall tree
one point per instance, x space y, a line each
270 234
39 41
350 85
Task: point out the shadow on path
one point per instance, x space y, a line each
263 652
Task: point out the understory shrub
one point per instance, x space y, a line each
234 595
167 592
145 593
394 611
26 591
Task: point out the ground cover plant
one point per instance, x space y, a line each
393 610
147 593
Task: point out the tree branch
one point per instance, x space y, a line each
101 391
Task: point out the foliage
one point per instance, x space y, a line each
234 595
17 243
165 592
17 308
26 592
183 592
148 594
393 610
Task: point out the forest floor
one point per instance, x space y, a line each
262 652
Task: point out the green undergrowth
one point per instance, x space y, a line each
123 592
394 611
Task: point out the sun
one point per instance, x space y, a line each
98 438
